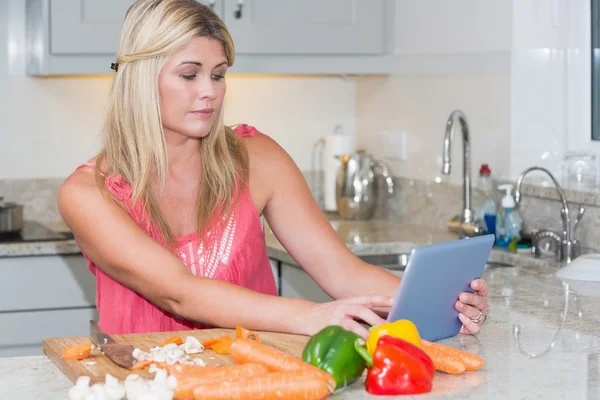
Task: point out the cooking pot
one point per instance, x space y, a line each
11 217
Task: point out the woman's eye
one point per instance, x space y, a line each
218 77
188 77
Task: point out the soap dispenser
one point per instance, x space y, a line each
510 232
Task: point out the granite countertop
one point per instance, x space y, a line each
529 349
377 237
42 247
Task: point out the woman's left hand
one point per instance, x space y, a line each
473 308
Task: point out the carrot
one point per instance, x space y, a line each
245 333
141 365
248 351
190 378
471 361
173 339
210 342
222 347
289 385
77 351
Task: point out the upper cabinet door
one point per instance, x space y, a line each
333 27
91 26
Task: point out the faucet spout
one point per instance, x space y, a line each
466 223
567 253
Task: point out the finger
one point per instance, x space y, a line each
470 326
470 311
370 301
480 286
365 314
473 300
353 326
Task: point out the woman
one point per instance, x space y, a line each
167 214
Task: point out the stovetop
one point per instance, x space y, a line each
34 232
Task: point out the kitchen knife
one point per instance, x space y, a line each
120 354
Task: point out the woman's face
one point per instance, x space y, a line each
191 87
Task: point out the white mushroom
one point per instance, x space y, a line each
192 345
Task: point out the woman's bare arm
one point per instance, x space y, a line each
108 235
303 230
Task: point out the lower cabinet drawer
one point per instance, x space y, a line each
43 282
23 332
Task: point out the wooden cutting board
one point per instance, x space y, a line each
97 365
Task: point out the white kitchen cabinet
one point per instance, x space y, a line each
45 282
44 296
76 36
22 333
271 36
286 27
275 269
296 283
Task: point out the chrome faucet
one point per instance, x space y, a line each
466 224
569 247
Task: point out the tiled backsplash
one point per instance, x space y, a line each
38 196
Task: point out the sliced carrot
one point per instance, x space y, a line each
471 361
243 333
443 361
222 347
77 351
141 365
289 385
210 342
248 351
173 339
189 379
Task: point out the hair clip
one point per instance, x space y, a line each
114 66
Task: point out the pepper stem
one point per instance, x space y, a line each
359 346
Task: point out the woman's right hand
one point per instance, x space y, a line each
347 313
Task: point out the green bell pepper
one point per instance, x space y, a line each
332 350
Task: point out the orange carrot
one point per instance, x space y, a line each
471 361
210 342
189 379
77 351
289 385
141 365
442 361
173 339
248 351
244 333
222 347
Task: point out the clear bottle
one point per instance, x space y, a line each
487 210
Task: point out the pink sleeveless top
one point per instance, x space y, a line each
236 253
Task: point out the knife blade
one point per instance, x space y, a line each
120 354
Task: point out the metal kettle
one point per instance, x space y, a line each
356 193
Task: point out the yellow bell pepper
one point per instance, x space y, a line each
403 329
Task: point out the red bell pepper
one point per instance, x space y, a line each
397 367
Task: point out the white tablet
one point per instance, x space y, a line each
436 274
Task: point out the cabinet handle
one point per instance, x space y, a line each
238 13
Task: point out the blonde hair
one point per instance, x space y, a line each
134 143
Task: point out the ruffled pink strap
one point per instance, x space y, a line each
115 184
246 130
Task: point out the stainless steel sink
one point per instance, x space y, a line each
398 262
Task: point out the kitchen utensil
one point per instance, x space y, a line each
356 196
11 217
120 354
97 366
